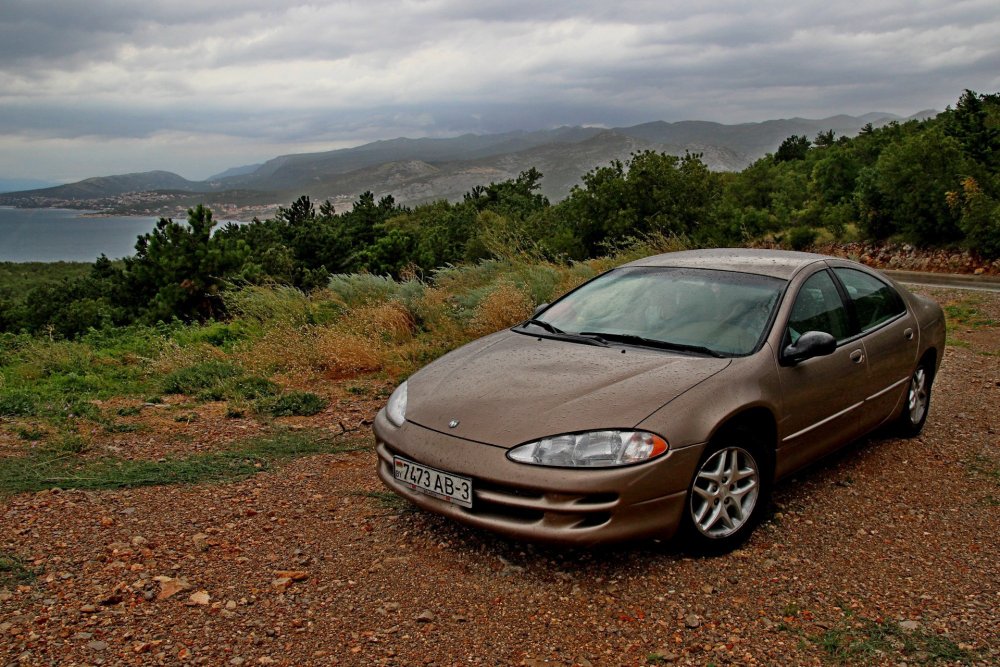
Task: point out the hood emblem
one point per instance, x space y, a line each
453 423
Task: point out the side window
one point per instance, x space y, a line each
874 301
818 307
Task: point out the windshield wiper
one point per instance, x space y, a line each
545 325
556 332
652 342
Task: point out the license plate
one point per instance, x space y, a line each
443 485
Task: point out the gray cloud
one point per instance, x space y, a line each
163 84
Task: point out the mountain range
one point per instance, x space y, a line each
420 170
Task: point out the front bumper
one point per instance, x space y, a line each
544 504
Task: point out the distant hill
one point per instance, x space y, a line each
420 170
291 171
234 171
100 187
417 181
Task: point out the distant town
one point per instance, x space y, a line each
162 205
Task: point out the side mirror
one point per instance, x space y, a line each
810 344
539 308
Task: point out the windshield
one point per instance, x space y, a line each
722 312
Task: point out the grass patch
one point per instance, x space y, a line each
293 403
249 388
18 404
30 434
48 469
217 334
13 571
218 380
236 411
121 427
966 313
862 641
957 342
195 379
983 466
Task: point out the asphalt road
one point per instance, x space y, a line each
954 280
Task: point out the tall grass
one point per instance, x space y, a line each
280 340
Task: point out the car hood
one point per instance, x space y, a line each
511 388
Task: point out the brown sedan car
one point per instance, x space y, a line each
666 394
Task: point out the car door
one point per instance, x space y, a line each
890 337
823 397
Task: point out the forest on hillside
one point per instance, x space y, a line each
932 183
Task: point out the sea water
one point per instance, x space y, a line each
58 234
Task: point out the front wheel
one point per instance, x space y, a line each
918 402
728 495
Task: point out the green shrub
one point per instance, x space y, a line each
357 289
121 427
77 408
300 403
217 334
271 303
249 388
199 378
235 411
800 238
18 404
69 443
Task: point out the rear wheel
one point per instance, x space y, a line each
918 401
728 495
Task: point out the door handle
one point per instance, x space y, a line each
857 356
908 334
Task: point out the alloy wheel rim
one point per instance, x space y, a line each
724 492
918 396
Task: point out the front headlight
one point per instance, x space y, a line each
593 449
395 409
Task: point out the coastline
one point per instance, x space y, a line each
111 213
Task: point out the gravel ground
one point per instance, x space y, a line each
885 554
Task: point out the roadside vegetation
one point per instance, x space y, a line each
280 361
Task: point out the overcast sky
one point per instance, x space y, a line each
97 87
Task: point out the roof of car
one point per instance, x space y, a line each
776 263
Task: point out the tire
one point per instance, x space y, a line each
918 401
729 494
